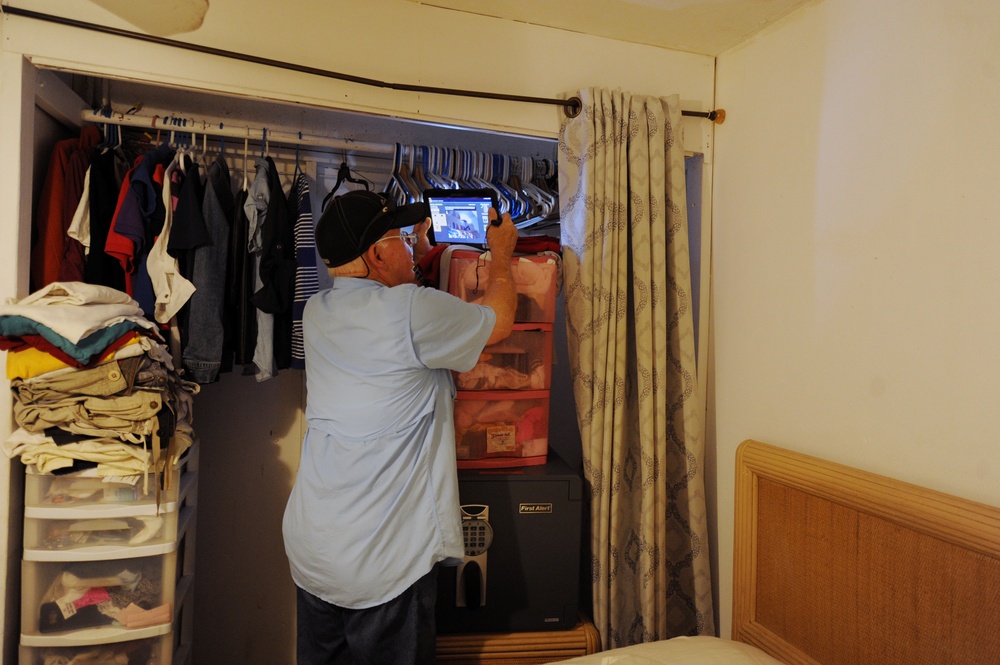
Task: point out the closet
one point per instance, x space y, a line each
250 429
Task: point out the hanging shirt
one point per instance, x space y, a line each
54 251
203 350
171 288
107 170
138 219
240 322
306 277
277 268
256 209
79 227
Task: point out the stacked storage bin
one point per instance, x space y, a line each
107 568
502 404
105 434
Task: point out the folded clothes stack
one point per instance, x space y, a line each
94 385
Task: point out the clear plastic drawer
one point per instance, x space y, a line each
523 361
502 428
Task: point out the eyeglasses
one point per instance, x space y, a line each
409 238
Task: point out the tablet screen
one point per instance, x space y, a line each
459 217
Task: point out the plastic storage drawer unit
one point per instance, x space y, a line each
501 429
103 594
154 650
523 361
107 525
535 282
76 490
76 529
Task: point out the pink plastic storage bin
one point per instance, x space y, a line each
523 361
535 281
496 429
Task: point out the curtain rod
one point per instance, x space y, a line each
571 106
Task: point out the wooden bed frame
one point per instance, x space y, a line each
832 566
836 566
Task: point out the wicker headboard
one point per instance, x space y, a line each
836 566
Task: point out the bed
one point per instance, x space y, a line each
836 566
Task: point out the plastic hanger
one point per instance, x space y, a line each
344 175
204 151
394 189
184 153
298 169
413 191
418 172
107 129
246 179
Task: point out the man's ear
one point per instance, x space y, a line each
373 255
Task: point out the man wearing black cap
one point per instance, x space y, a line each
375 503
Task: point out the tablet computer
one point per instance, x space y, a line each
460 216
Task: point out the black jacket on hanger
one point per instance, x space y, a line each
240 322
277 268
100 267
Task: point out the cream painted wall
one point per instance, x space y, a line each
855 240
386 40
252 462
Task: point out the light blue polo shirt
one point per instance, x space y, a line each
375 502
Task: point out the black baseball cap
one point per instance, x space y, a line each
352 222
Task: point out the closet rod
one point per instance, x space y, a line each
571 106
255 134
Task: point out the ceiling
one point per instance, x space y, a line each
708 27
698 26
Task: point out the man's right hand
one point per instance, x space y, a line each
503 238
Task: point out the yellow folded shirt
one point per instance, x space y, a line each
31 362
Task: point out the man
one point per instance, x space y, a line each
375 503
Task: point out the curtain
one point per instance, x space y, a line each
630 330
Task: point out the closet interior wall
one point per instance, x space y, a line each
250 431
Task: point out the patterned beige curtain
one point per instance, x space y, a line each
623 219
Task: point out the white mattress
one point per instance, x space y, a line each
702 650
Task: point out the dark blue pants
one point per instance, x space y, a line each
399 632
